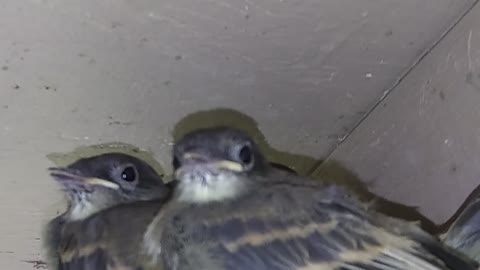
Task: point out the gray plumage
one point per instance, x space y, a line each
464 234
91 186
230 210
109 240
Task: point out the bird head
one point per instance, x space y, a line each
215 164
99 182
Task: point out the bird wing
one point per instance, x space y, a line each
464 233
51 238
285 234
109 240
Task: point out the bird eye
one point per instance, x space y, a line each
175 163
245 154
129 174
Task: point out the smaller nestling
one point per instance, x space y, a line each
92 185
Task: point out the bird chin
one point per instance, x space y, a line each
77 195
207 186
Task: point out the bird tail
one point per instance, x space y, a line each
464 234
452 258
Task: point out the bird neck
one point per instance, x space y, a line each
81 210
218 191
83 205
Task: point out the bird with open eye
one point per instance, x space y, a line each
94 185
232 210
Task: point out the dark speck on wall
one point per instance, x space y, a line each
119 123
178 57
16 86
442 95
116 25
469 78
5 107
50 88
453 168
167 82
37 264
389 33
5 68
114 122
247 17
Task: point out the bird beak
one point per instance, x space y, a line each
101 182
228 165
198 159
68 175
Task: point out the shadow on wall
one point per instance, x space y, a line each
333 172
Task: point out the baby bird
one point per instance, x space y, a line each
232 210
91 186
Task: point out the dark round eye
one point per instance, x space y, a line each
175 163
245 154
129 174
